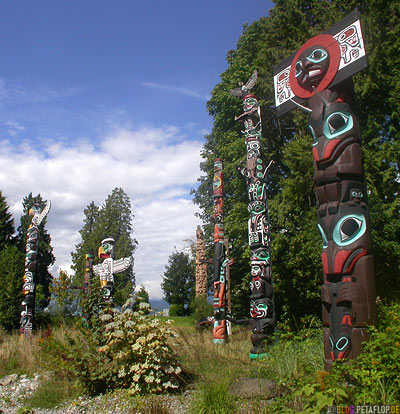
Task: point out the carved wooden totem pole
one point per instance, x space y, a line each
220 260
106 270
88 276
319 76
262 309
201 265
29 287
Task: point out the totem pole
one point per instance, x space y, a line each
87 278
220 260
29 287
262 308
106 270
319 76
201 265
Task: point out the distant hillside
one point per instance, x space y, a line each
159 304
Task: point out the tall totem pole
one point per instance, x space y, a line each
201 265
319 76
262 308
106 270
30 279
220 260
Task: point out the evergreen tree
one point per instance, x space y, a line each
45 250
296 244
6 223
11 272
113 218
89 241
179 279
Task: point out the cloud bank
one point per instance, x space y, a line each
156 167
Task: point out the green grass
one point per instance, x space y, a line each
52 392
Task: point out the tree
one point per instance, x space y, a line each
11 272
142 295
63 293
6 223
45 250
296 245
179 279
113 218
142 300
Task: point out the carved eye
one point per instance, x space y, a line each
324 239
315 139
317 55
342 343
349 229
337 123
298 69
262 255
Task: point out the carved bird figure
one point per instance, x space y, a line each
244 89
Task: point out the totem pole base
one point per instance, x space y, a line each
258 356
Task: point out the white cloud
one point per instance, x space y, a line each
155 167
176 89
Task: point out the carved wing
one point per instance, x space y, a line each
251 82
101 271
122 264
38 219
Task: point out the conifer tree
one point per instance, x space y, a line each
6 223
113 218
11 272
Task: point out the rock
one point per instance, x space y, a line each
254 387
8 379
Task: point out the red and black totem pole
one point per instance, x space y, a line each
220 260
262 308
318 79
30 279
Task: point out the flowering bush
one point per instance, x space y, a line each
139 346
121 350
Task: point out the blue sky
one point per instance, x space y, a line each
100 94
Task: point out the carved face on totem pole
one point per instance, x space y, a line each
314 66
106 249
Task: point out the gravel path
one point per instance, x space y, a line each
14 389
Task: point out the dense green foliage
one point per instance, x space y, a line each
6 223
296 244
113 218
200 308
45 256
11 271
179 279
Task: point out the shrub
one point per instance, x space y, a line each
139 346
374 374
176 310
200 308
123 350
